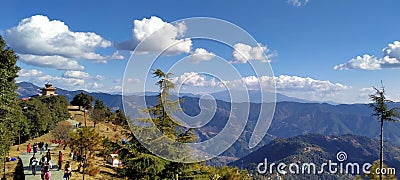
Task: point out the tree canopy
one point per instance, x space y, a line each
140 163
87 138
10 112
83 100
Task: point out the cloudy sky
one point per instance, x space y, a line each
318 50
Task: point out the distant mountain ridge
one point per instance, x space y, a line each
290 118
27 89
317 148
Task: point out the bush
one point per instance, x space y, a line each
92 169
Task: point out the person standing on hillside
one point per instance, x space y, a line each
34 161
41 147
34 148
60 158
28 148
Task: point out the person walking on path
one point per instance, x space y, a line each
48 155
67 171
41 147
34 161
60 158
47 173
35 148
43 160
28 148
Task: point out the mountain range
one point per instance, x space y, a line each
317 148
290 118
27 89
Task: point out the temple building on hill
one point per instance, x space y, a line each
49 90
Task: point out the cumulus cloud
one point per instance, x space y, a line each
298 3
194 79
289 83
390 59
243 53
199 55
163 35
393 50
365 62
294 86
39 77
56 62
76 74
282 82
42 42
29 73
60 81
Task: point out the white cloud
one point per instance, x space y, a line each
294 86
283 83
390 59
298 3
366 91
163 35
98 78
393 50
133 80
365 62
76 74
95 86
50 43
40 78
199 55
29 73
289 83
117 88
243 53
61 81
57 62
194 79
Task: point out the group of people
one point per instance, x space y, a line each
36 147
46 166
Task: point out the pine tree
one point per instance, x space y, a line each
10 111
83 100
383 113
140 163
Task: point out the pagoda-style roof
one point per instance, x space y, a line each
48 86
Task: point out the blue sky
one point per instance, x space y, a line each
314 45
